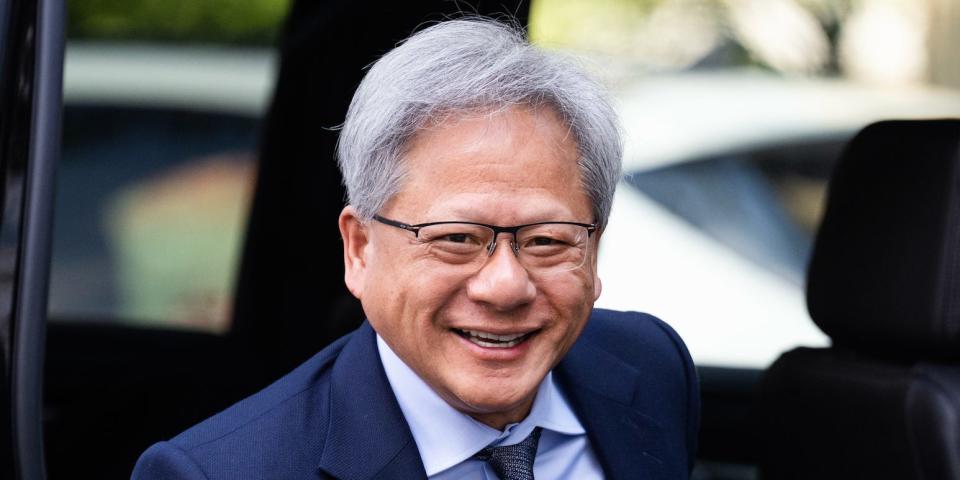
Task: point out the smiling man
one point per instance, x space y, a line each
480 172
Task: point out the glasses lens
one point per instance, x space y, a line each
457 243
552 247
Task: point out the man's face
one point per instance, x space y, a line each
512 167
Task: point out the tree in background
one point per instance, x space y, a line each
244 22
892 42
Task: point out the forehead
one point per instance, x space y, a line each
520 159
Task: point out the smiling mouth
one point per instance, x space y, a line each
491 340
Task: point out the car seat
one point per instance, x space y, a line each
884 283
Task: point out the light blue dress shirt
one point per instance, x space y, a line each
447 439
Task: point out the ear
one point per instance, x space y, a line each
597 284
355 242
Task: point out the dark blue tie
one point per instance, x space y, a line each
513 462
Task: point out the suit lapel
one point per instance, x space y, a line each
601 389
367 436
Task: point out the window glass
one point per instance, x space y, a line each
163 101
734 113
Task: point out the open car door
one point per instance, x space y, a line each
30 105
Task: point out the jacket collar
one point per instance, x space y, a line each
625 440
365 420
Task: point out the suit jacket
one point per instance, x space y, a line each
628 377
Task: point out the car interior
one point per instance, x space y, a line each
883 400
88 395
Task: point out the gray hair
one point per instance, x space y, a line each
468 65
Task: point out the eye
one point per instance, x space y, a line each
550 240
455 238
544 245
452 239
447 239
454 246
542 241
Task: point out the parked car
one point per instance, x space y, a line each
157 171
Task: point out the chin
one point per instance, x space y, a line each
501 396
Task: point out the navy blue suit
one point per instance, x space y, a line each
629 379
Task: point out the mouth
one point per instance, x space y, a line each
493 340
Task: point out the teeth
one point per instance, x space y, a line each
490 340
492 344
490 336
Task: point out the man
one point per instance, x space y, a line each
480 172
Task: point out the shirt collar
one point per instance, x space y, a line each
445 437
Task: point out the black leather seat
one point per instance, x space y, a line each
884 283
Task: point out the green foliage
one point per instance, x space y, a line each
251 22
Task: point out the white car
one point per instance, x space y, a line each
724 174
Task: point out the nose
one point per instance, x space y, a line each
502 283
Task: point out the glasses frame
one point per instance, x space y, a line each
497 230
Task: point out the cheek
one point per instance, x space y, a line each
426 286
572 299
571 291
412 294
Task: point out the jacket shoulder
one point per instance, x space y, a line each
636 337
273 430
659 358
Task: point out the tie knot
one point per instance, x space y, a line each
513 462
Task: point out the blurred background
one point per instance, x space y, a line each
733 111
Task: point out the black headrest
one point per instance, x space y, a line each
885 271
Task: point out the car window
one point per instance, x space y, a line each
163 102
734 114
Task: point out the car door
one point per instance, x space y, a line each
31 59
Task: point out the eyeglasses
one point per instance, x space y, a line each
543 247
